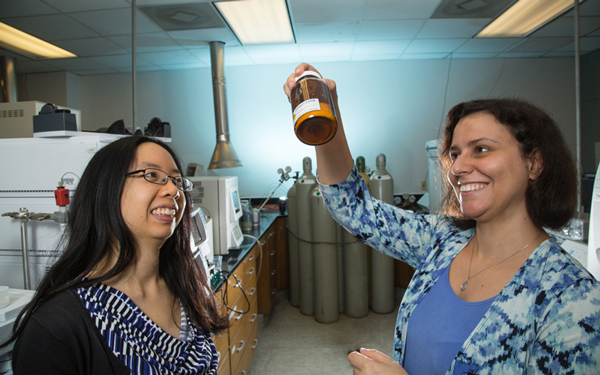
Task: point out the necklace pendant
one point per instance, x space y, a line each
464 286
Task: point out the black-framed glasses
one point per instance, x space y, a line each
156 176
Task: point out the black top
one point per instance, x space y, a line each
61 338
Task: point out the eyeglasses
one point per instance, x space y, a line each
156 176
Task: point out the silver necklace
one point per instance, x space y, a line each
469 277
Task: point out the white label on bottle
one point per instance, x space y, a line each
304 107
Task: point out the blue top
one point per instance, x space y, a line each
546 320
438 328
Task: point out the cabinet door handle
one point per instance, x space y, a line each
255 344
273 272
241 346
243 372
251 271
252 291
272 253
239 317
251 258
274 291
254 316
218 356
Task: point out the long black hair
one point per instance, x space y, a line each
95 227
551 199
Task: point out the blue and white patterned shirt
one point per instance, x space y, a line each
546 320
142 345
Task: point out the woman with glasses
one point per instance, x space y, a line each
126 295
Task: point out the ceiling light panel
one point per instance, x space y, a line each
524 17
258 21
20 42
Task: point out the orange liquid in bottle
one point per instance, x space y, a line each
315 121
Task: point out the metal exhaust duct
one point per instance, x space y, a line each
8 80
224 155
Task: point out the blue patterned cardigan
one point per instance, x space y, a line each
545 321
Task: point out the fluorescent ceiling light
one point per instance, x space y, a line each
258 21
524 17
23 43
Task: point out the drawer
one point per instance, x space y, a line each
243 367
224 367
242 339
221 343
241 276
236 319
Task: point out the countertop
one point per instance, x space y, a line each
236 256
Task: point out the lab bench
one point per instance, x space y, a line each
251 276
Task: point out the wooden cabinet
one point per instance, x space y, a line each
242 335
274 265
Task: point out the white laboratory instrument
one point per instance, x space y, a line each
219 195
32 168
434 182
18 298
593 261
16 119
202 244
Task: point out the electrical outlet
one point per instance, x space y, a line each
423 185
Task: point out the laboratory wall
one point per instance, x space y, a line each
390 107
590 111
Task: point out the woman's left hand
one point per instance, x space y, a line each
371 362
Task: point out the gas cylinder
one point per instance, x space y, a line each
325 259
304 187
361 166
356 279
292 219
382 266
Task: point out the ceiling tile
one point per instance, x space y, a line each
201 37
374 57
309 50
52 27
512 55
481 55
587 8
115 22
387 47
90 47
276 52
170 57
565 27
120 61
452 28
423 56
560 54
152 42
326 32
75 64
33 66
305 11
149 68
83 5
21 8
394 9
193 65
479 45
434 45
586 44
389 29
539 45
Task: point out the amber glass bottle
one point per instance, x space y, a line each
315 120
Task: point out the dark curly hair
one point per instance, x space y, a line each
551 199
